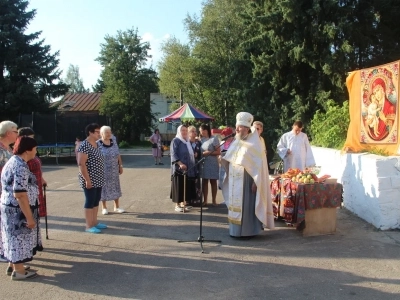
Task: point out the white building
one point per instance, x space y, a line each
160 106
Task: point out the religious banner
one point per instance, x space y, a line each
379 93
374 112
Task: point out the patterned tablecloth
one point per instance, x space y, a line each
291 200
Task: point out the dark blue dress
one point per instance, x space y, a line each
180 152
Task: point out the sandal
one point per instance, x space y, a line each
10 270
27 275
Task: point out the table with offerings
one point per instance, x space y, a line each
311 207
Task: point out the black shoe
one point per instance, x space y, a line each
160 163
243 238
156 164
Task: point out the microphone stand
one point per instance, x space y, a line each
201 238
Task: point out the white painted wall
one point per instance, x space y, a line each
371 184
160 106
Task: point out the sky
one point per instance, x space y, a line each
76 28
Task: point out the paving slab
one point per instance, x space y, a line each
139 257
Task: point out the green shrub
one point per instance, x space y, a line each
123 144
329 129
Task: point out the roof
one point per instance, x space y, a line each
80 102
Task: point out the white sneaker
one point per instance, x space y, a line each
178 209
119 210
104 211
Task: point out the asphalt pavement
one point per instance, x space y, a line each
139 256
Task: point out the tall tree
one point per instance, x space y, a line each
302 50
74 80
128 84
177 74
30 76
99 87
215 40
297 47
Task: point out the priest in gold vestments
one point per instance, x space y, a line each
246 187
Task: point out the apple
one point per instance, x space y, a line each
293 178
312 180
306 180
309 176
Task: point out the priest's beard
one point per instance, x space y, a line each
241 136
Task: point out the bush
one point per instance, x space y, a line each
330 129
123 144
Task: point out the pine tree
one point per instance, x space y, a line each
99 87
30 75
299 53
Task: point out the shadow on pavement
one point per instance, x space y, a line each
152 275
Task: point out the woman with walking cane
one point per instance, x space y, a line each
182 170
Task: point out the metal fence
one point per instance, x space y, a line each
60 127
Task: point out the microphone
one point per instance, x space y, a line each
229 136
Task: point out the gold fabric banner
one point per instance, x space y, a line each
374 109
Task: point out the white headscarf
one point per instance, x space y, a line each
187 142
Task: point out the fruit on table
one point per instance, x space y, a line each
304 177
290 173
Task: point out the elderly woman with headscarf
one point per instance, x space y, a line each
182 162
19 209
8 135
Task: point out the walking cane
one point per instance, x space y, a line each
184 192
45 209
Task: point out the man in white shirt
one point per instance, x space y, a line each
294 148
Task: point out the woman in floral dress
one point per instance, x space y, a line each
19 209
8 135
112 169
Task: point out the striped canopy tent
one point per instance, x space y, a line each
187 113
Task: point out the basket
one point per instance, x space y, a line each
331 180
315 170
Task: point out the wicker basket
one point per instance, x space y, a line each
331 180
